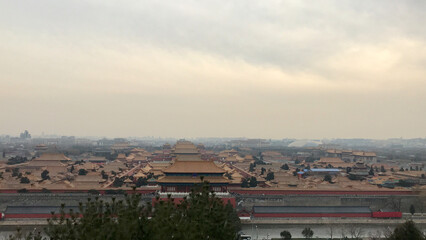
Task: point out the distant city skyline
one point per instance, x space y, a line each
255 69
53 135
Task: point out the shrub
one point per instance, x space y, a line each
307 233
25 180
285 235
82 172
285 167
23 190
93 191
45 190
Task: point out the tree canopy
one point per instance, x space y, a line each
407 230
16 160
251 168
327 178
245 183
270 176
82 171
285 167
25 180
307 233
253 182
45 175
201 215
286 235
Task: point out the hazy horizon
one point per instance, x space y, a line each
187 69
48 135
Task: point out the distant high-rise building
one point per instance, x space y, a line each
25 135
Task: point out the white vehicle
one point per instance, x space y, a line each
244 237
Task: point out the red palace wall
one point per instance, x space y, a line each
293 215
264 191
101 191
261 215
317 192
179 200
387 214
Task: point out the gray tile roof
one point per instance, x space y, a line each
303 209
38 209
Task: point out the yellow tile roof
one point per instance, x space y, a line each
194 167
187 179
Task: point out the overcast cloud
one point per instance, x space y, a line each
270 69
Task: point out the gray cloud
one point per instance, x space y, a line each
240 68
288 34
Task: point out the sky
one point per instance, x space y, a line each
235 68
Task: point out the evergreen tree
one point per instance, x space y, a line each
15 172
23 190
286 235
371 172
412 209
16 160
251 168
82 172
253 182
327 178
245 183
285 167
45 175
307 233
229 176
102 220
118 182
19 235
262 171
25 180
104 175
201 215
270 176
141 182
405 231
382 169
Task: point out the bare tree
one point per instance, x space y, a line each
330 230
355 232
375 235
421 201
395 203
343 232
387 232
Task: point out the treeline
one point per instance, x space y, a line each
16 160
201 215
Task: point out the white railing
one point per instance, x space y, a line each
174 194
